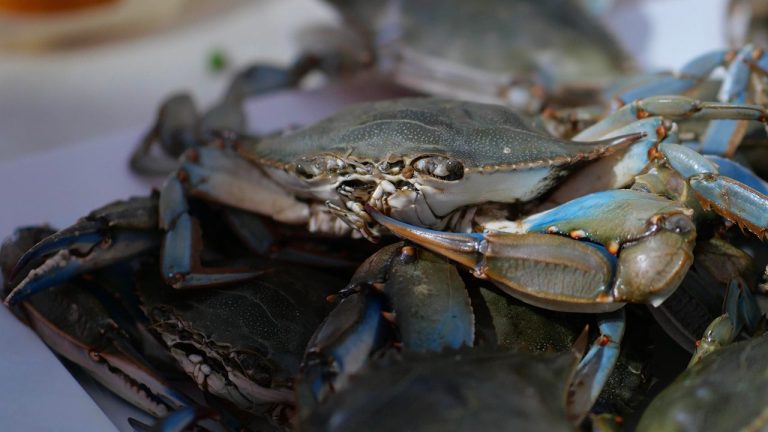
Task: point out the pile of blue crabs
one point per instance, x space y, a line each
516 248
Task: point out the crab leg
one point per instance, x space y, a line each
691 74
417 291
593 370
222 177
341 345
558 273
729 198
74 324
724 136
174 130
671 107
128 376
180 127
740 311
429 301
740 173
113 233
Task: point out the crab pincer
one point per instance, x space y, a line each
115 232
609 267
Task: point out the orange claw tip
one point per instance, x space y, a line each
604 298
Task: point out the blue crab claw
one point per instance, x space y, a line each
733 200
110 360
719 333
419 292
548 271
653 243
94 242
342 344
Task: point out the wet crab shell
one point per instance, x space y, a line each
422 158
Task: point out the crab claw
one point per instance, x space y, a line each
117 231
544 270
100 349
653 243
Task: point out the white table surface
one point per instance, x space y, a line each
68 120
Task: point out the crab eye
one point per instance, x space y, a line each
439 167
313 166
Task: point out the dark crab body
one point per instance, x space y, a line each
455 391
490 50
725 391
516 53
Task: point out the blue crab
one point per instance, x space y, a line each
514 53
422 295
77 326
436 164
441 164
138 337
724 391
459 391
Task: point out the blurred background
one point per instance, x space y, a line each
70 75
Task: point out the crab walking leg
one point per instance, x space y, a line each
727 197
430 303
178 421
691 74
741 305
180 127
653 240
593 370
724 136
673 108
419 292
741 310
341 345
113 233
738 172
174 130
220 176
719 333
